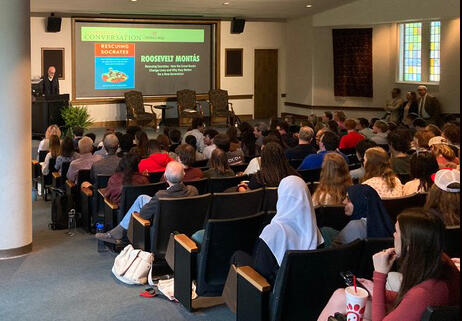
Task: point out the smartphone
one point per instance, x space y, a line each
348 278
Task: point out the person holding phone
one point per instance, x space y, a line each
430 278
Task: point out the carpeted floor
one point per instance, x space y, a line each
65 278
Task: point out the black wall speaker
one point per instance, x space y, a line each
237 25
53 24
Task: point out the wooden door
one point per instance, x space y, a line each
266 83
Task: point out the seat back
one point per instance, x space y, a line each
234 205
396 205
65 168
332 216
221 239
200 163
131 192
348 151
51 168
452 241
307 279
101 180
154 177
219 100
385 147
239 167
186 215
82 176
202 184
441 313
270 199
310 175
371 246
134 103
186 99
295 162
220 184
41 155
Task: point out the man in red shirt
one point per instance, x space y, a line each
157 161
352 137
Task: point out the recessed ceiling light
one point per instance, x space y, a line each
226 3
309 5
133 0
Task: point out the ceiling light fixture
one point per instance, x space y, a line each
226 3
133 0
309 5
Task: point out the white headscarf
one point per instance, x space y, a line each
294 225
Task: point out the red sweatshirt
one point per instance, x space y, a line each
154 163
350 140
416 300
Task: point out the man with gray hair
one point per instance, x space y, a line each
85 160
304 147
148 206
110 161
429 106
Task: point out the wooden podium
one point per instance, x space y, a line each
46 110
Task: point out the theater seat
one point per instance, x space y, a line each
442 313
235 205
396 205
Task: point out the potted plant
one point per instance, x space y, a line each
75 116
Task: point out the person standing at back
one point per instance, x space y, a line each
392 107
429 106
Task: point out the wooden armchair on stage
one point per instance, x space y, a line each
188 107
135 110
221 110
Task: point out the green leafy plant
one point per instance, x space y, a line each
76 116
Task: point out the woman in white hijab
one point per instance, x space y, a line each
292 228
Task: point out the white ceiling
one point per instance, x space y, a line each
261 9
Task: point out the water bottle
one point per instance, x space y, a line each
71 223
101 245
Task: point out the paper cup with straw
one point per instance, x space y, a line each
356 300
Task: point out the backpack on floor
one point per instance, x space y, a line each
133 266
59 210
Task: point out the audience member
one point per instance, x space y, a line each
175 139
164 143
51 130
443 198
318 136
157 160
423 165
332 125
421 139
148 206
132 130
444 154
66 154
408 120
53 152
392 107
260 131
362 126
339 117
141 142
126 173
110 161
352 137
400 144
287 141
219 166
274 167
380 130
186 156
419 123
93 136
429 106
433 129
409 106
222 142
197 126
78 134
234 143
255 163
452 133
334 181
125 144
304 147
85 160
429 277
209 135
248 146
327 115
191 140
372 122
361 148
329 143
379 175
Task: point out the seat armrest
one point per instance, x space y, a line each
111 205
188 244
141 220
35 162
102 191
87 191
55 175
254 278
70 184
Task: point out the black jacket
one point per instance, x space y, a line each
50 88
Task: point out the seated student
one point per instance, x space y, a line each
197 126
148 206
452 133
191 140
222 142
157 160
93 138
334 181
292 228
443 198
186 157
209 135
361 148
400 143
304 147
164 143
125 144
141 144
423 165
434 129
247 139
419 123
234 142
219 166
85 160
379 175
51 130
329 143
352 137
260 130
274 167
126 174
66 153
362 126
332 125
339 117
444 154
287 141
77 132
175 139
430 278
53 152
255 163
380 130
421 139
110 161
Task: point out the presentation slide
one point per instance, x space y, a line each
156 59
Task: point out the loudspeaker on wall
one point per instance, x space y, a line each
53 24
237 25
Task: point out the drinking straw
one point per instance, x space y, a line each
354 282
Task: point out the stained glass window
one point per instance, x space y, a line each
412 60
435 31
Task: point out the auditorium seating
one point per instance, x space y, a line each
452 241
331 216
396 205
91 202
236 205
310 175
154 177
442 313
208 264
73 189
239 168
200 163
220 184
270 199
202 185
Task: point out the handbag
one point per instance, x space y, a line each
133 266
